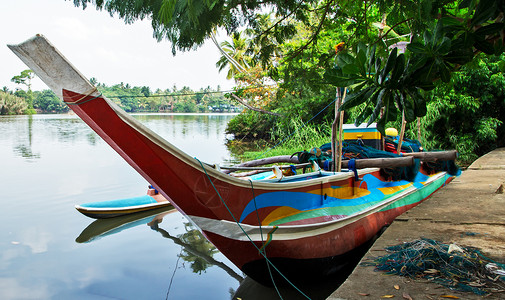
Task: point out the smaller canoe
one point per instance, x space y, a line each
105 227
121 207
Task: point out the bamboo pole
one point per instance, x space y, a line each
419 130
333 133
402 132
340 132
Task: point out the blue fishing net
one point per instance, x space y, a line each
458 268
357 150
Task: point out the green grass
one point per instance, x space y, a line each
300 138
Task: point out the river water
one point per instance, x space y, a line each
48 250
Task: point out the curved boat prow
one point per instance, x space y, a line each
52 67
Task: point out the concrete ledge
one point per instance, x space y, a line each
470 211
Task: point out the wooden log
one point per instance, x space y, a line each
381 162
434 156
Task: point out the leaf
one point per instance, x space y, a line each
428 38
363 294
390 111
398 69
350 69
361 54
383 95
464 4
378 63
416 47
337 78
166 11
344 59
388 296
355 99
397 287
371 54
425 9
449 296
390 63
406 296
445 73
419 104
409 109
484 46
489 29
359 119
484 11
444 46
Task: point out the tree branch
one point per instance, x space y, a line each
390 29
241 101
316 33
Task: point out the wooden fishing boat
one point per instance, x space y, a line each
305 222
121 207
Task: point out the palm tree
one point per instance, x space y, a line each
233 55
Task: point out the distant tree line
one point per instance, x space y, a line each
184 100
131 99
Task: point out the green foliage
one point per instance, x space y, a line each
303 137
251 125
196 244
469 115
48 102
11 104
396 84
24 78
185 100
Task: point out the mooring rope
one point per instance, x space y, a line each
249 238
264 245
86 94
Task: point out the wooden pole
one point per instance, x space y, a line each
334 132
402 132
419 129
340 133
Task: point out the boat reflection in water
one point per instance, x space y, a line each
199 252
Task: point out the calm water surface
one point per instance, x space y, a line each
48 250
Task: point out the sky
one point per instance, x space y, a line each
104 47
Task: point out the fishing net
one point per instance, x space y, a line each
458 268
358 150
408 145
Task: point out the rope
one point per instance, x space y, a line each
290 135
173 274
352 166
248 237
86 94
263 248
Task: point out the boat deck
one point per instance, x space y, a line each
470 212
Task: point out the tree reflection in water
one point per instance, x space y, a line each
196 249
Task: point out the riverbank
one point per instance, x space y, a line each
469 212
